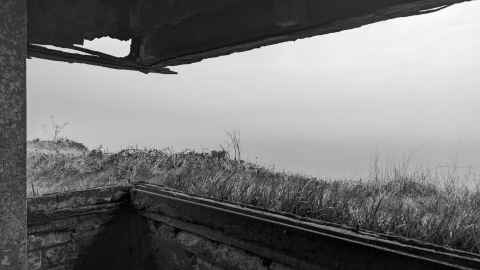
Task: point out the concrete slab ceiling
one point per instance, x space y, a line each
168 33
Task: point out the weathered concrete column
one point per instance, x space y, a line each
13 222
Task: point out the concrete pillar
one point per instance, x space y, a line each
13 221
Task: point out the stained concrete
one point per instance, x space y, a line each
169 33
91 229
12 135
150 227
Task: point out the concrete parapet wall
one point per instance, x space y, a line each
153 227
230 236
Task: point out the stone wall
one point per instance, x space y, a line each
177 249
98 229
82 230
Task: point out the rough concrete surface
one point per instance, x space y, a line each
12 135
177 249
238 237
91 229
78 236
169 33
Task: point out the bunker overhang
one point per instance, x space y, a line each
174 32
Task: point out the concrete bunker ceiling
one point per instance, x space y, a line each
174 32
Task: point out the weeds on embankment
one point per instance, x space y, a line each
399 202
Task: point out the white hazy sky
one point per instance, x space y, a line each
321 106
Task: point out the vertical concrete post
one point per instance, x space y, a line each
13 48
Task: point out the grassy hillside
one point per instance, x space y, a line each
396 203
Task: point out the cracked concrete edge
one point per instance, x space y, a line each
13 221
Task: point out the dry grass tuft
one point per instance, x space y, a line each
398 202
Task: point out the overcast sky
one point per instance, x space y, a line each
321 106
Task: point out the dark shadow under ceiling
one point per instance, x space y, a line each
166 33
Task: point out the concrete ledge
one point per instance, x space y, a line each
288 241
77 203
